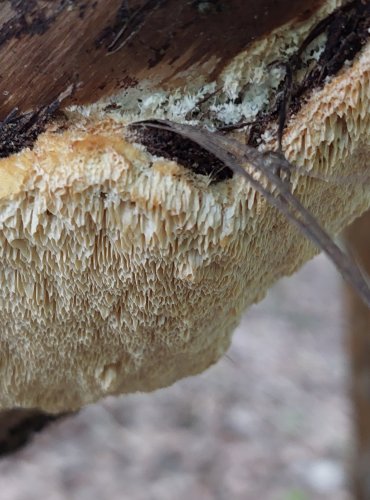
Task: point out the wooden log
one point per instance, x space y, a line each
106 45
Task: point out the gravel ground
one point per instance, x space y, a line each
270 421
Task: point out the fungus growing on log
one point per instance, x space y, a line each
127 256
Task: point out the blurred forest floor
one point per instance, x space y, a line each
271 421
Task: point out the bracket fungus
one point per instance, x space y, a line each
126 260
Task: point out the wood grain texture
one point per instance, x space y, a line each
106 45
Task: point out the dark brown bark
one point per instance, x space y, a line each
106 45
358 321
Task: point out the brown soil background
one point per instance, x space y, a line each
271 421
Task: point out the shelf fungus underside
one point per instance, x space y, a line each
125 266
